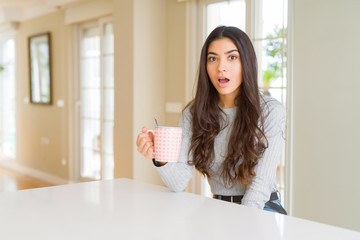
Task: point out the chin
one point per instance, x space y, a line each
224 92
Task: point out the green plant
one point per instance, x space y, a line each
273 48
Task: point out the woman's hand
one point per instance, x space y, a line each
145 143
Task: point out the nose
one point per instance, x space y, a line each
222 67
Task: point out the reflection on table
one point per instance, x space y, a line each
129 209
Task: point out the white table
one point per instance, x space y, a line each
128 209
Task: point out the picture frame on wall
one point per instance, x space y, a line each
40 68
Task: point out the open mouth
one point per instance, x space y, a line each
223 82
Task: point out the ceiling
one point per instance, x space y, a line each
22 10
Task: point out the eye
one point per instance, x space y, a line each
211 59
233 57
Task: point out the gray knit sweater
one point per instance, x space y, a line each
177 175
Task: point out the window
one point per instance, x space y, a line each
270 46
229 13
96 97
7 97
268 33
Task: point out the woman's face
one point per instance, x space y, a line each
224 68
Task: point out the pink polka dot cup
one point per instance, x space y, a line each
167 141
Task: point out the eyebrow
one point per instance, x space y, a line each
213 53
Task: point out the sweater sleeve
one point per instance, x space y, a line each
176 175
259 191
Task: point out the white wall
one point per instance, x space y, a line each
149 76
123 17
175 54
326 177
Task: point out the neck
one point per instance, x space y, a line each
226 102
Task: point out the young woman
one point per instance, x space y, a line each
231 133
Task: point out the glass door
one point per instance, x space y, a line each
7 97
96 100
108 102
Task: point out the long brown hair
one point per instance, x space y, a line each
247 142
